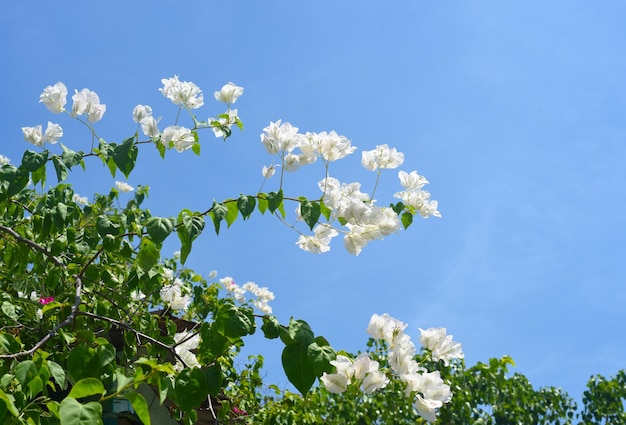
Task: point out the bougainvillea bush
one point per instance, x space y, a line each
96 324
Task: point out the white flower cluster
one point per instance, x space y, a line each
123 186
174 294
282 139
262 294
429 390
413 195
55 97
363 219
35 136
184 344
362 369
190 96
4 160
182 92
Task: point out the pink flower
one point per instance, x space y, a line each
238 411
45 300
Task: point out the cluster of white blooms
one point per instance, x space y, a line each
282 139
4 160
142 115
440 345
382 157
80 200
123 186
184 344
429 390
414 196
174 294
352 208
35 135
362 369
182 92
87 102
262 294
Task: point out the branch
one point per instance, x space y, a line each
32 244
67 321
135 331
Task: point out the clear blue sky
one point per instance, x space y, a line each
513 110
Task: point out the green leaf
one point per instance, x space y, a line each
262 204
8 343
9 310
321 355
298 367
274 200
57 373
9 401
105 226
148 254
13 179
397 208
310 212
300 332
270 327
189 228
74 413
159 228
71 158
218 213
191 388
139 406
125 156
407 219
325 210
233 212
32 161
25 371
234 321
214 378
87 387
60 168
245 205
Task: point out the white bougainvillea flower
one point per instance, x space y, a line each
335 382
33 135
53 133
88 102
441 345
54 97
229 93
320 242
182 92
179 137
4 160
427 408
280 137
268 172
412 181
140 112
382 157
374 381
123 187
150 128
80 200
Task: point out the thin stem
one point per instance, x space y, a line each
32 244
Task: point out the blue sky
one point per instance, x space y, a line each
514 111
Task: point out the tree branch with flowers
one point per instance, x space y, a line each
109 318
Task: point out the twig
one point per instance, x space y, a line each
67 321
32 244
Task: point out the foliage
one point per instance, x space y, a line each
485 393
92 314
